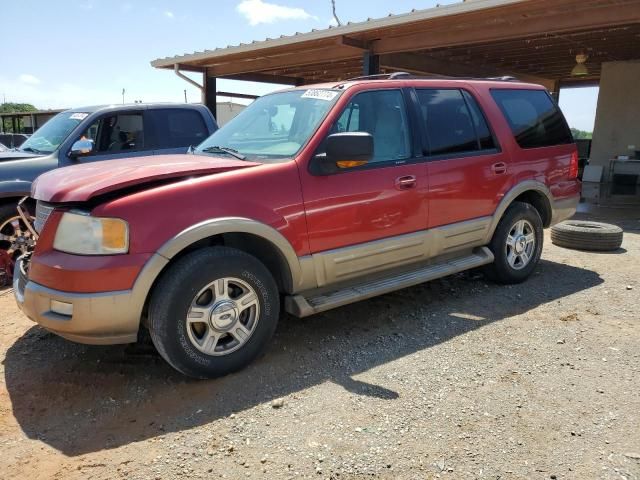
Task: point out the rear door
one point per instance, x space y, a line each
176 129
467 169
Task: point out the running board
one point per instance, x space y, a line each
301 306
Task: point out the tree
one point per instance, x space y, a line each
580 134
9 107
16 107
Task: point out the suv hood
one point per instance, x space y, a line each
79 183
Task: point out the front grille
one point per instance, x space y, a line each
43 210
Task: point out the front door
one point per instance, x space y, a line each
381 200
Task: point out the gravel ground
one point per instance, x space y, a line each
458 378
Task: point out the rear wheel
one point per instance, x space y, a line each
516 244
213 312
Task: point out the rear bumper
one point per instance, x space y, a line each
101 318
564 208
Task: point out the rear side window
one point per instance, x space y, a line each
454 122
535 120
179 128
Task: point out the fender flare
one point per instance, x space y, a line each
14 188
209 228
511 195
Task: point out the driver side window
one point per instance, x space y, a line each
116 133
381 113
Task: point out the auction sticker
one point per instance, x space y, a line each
326 95
78 116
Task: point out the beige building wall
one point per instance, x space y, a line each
617 125
225 111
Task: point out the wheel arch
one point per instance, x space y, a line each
250 236
535 193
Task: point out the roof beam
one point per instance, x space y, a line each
266 78
415 63
595 17
291 59
418 63
352 42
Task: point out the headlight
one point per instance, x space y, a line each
87 235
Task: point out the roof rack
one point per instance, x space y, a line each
406 75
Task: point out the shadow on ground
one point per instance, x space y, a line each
81 399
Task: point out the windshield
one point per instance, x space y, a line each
49 137
274 126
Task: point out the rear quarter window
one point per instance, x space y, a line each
534 118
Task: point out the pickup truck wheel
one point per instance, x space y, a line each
213 312
15 237
516 244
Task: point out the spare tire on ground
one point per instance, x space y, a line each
582 235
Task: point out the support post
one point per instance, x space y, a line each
209 93
555 91
370 64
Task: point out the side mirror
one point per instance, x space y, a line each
80 148
345 150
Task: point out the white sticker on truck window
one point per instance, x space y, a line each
78 116
326 95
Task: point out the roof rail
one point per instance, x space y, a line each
405 75
504 78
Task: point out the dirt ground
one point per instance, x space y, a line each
458 378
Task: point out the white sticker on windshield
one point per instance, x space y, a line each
326 95
78 116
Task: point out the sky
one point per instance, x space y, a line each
70 53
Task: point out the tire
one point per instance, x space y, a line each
214 343
581 235
509 265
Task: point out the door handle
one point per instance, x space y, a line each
406 182
499 168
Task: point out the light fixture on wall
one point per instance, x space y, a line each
580 70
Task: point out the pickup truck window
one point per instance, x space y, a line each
115 133
275 126
48 138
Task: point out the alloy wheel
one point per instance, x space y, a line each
520 245
15 237
223 316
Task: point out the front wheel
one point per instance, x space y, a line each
516 244
15 238
213 312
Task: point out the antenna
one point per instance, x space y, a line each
335 16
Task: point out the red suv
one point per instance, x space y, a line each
310 199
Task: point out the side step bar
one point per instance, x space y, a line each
301 306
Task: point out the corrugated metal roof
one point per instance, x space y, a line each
347 29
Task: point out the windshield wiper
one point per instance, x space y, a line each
230 151
30 149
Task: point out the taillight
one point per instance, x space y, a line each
573 166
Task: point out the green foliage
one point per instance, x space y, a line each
16 107
580 134
11 108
